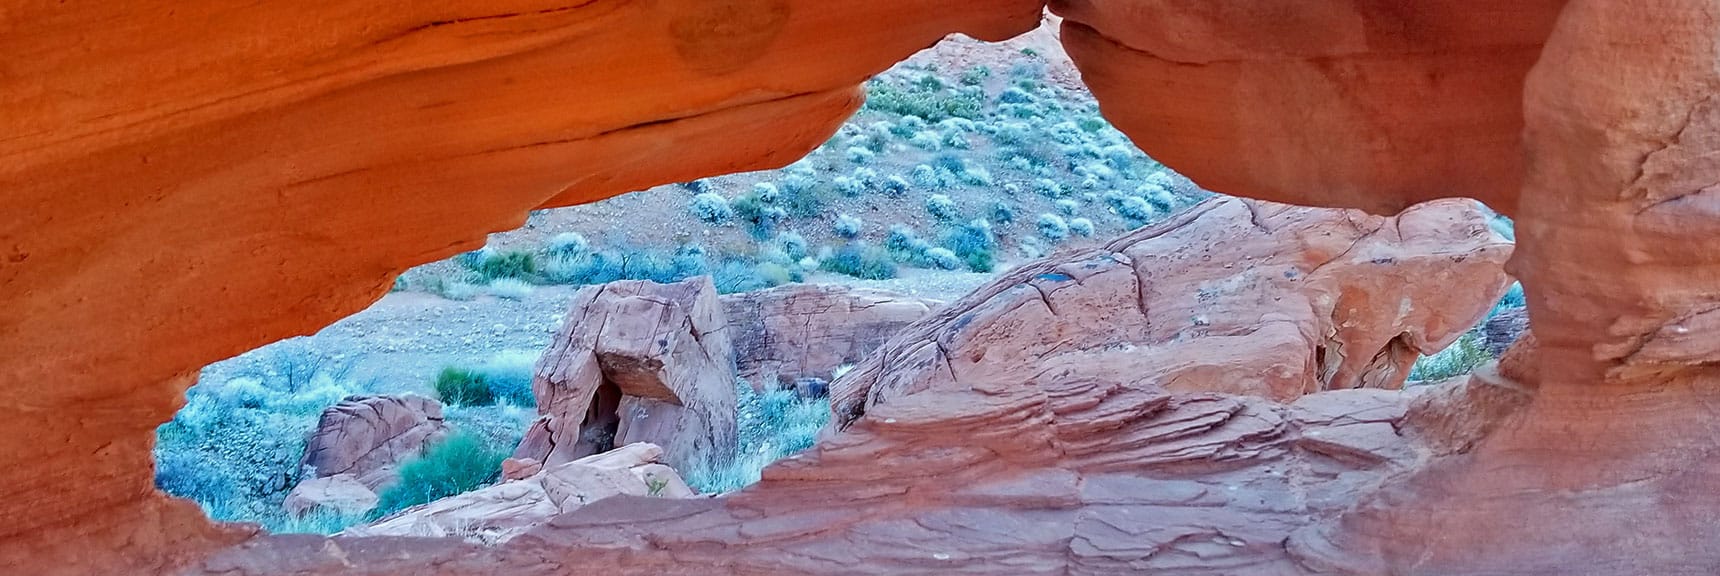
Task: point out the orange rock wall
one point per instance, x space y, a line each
1373 104
186 180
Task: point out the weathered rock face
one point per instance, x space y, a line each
368 437
1068 456
194 179
808 330
1233 296
341 494
1375 105
499 513
1608 469
254 172
637 361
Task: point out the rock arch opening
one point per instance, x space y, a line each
356 152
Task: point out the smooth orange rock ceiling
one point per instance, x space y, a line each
184 180
181 181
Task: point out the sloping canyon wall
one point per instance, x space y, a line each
186 180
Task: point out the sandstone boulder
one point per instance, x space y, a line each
1234 296
799 331
341 494
637 361
501 512
368 437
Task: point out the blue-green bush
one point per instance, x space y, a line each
462 463
860 261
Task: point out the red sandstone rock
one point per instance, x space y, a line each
340 494
1231 296
809 330
193 180
1374 105
190 179
368 437
499 513
1606 470
1066 455
637 361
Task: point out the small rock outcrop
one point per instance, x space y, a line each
784 334
1233 296
366 438
636 361
501 512
341 494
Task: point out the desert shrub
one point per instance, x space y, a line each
294 365
941 207
1081 227
928 177
1052 227
567 243
1135 209
492 265
711 208
699 186
956 141
849 186
463 387
860 155
895 187
736 275
510 288
793 244
801 196
860 261
943 258
1002 213
767 192
1049 188
772 426
848 226
185 474
927 140
1013 134
1068 207
462 463
1458 359
975 76
974 243
235 446
923 102
975 176
583 269
1015 96
509 377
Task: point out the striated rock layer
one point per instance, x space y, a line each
188 179
1233 296
1038 468
809 330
